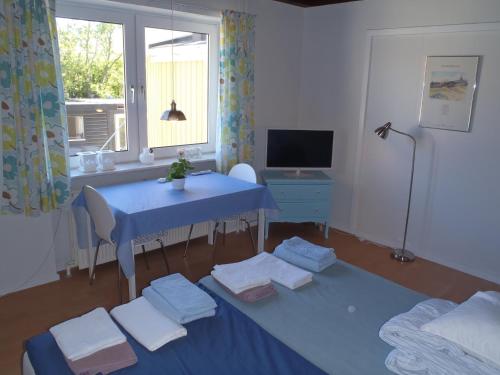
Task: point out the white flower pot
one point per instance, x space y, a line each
178 183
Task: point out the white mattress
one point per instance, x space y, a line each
27 366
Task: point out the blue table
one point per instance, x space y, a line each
147 207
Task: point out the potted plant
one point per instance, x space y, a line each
177 173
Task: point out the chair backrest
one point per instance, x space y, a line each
100 213
243 172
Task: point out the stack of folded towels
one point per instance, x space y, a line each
305 254
92 344
245 281
250 280
155 318
179 299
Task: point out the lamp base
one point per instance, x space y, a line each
403 256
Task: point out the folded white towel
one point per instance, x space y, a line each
146 324
240 277
268 265
80 337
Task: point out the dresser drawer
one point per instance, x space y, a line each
294 193
303 210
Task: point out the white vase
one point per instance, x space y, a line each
106 159
178 183
88 161
146 156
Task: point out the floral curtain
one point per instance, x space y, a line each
236 102
33 124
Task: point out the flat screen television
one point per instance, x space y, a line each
299 149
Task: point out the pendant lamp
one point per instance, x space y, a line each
173 114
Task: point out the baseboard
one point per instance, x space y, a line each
495 278
30 284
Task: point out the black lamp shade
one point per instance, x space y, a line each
173 114
383 131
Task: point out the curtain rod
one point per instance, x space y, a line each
196 6
243 6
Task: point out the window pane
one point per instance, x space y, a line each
93 73
76 129
185 80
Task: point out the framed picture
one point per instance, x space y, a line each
448 95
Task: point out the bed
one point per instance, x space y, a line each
332 324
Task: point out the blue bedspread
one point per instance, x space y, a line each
315 320
229 343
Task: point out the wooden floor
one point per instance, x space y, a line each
34 310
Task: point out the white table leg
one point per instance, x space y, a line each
132 293
211 225
260 235
131 287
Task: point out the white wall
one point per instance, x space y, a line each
277 70
27 251
455 220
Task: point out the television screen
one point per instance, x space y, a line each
299 148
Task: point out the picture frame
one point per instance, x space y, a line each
449 92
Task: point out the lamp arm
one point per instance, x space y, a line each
411 183
403 133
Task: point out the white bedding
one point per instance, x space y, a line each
420 352
27 366
405 363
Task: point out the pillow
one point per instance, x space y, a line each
474 325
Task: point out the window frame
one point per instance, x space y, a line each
134 18
188 24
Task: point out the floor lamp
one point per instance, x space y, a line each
402 255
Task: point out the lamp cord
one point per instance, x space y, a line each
172 47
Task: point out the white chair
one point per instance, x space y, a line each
243 172
104 223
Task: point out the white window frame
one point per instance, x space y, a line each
134 19
96 13
181 23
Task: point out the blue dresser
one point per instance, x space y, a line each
302 198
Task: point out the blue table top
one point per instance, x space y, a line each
135 197
148 207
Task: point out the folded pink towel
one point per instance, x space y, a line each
104 361
253 294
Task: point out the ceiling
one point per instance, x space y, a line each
313 3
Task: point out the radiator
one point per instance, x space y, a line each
107 252
82 257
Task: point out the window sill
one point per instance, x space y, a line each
123 170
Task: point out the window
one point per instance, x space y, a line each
190 71
76 128
92 62
119 77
